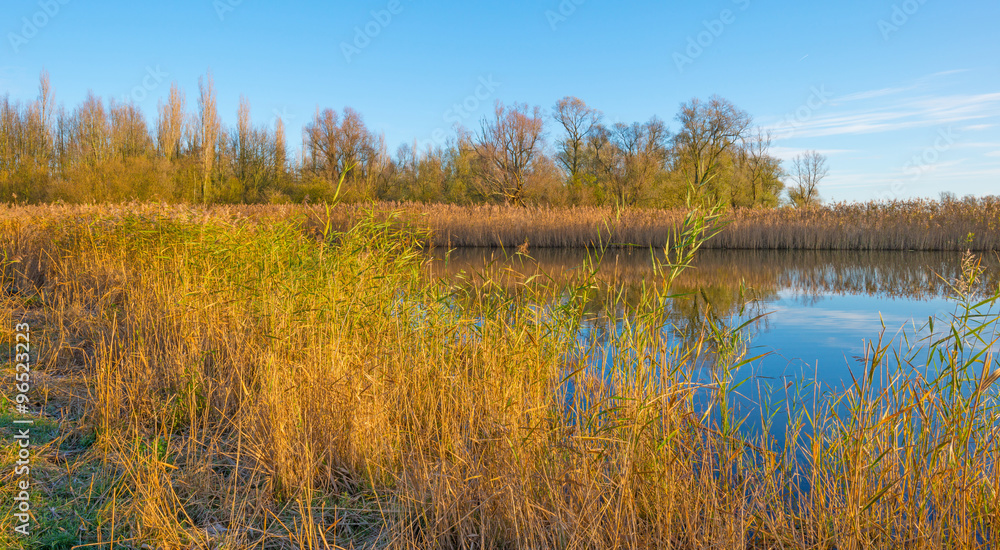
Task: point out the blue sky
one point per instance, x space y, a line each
902 96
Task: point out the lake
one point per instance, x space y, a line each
812 312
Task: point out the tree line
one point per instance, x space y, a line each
107 151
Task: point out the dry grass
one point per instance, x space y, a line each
285 385
901 225
911 225
971 224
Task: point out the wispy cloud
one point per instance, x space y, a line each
823 319
871 94
861 181
977 145
921 112
788 153
976 173
906 107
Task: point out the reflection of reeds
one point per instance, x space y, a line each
252 385
913 275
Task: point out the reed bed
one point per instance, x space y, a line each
901 225
970 224
289 385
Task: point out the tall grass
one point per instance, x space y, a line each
972 224
899 225
288 385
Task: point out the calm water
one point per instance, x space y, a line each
819 308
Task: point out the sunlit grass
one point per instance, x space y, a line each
233 379
972 224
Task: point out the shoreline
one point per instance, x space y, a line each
917 225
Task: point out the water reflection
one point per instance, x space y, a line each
910 275
813 310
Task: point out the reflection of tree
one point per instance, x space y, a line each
724 288
911 275
694 309
807 299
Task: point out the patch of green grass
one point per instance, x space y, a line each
69 505
67 487
43 430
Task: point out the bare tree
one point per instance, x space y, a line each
808 170
330 151
91 131
209 134
129 135
758 173
45 101
355 142
27 145
629 157
170 125
36 128
280 149
506 148
378 166
336 144
320 137
44 108
578 121
248 155
709 131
